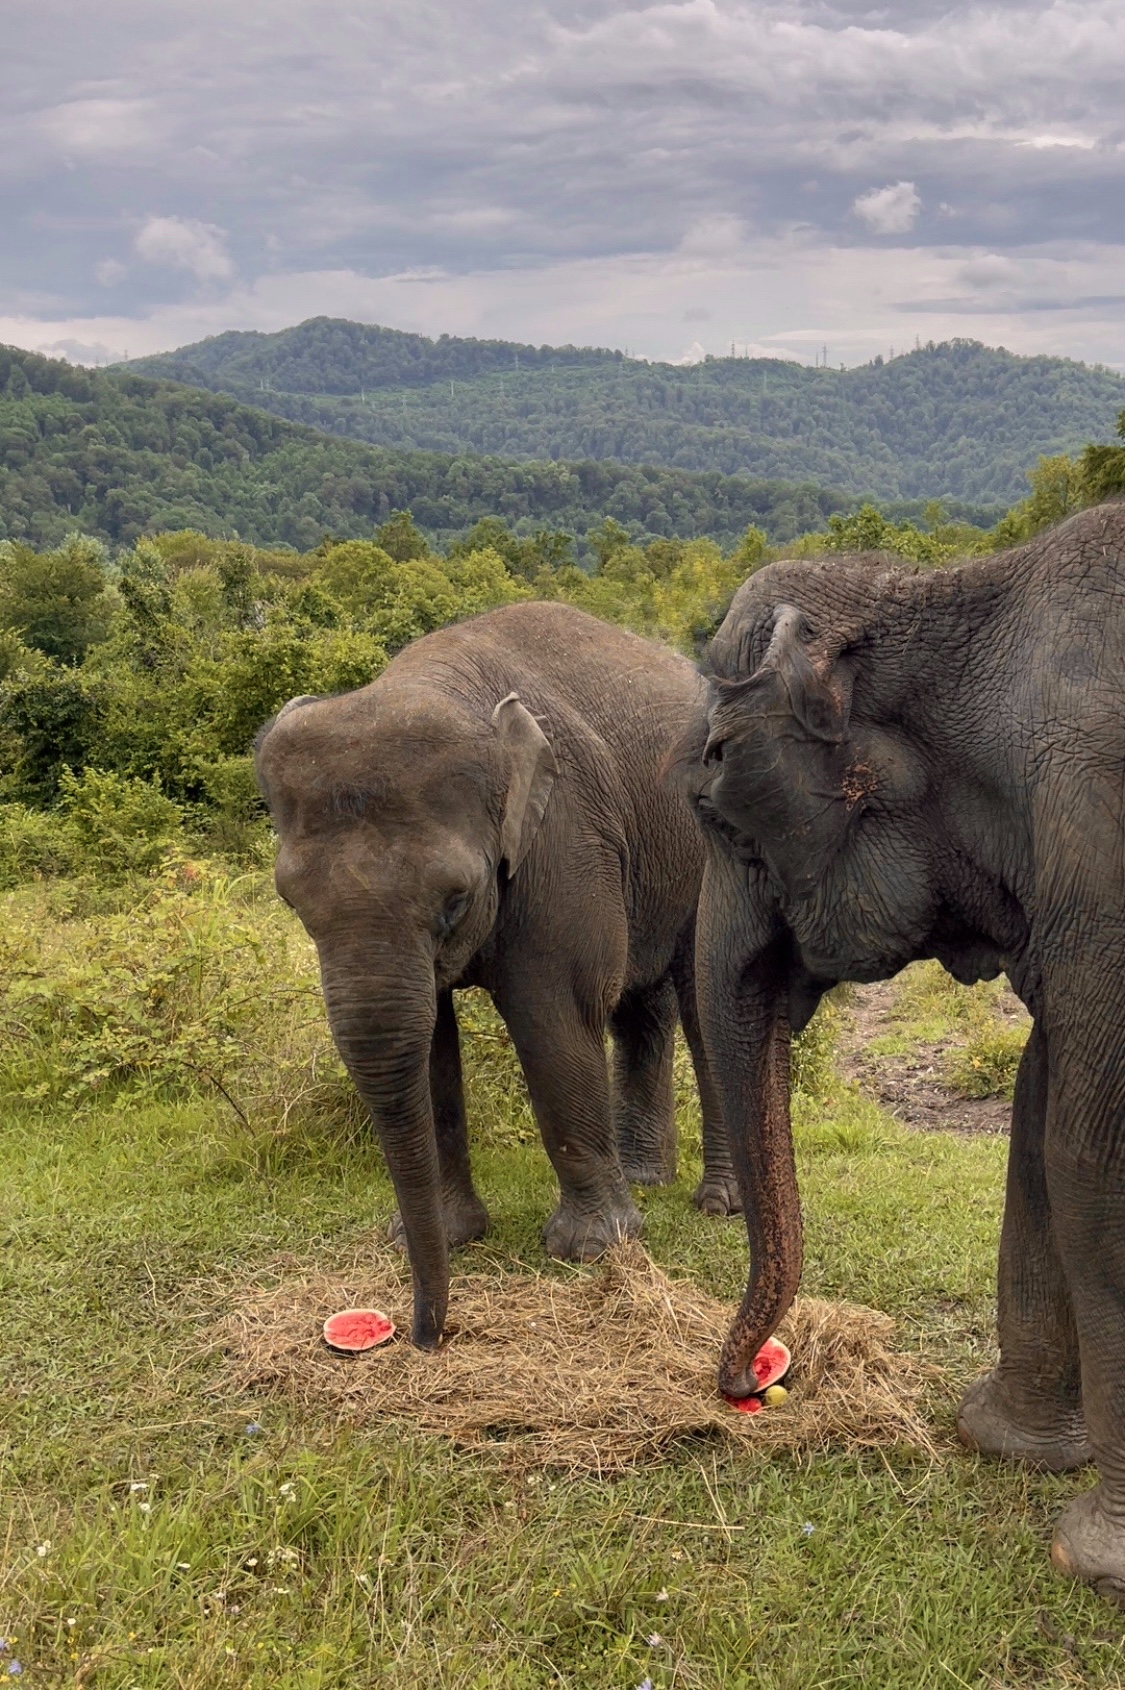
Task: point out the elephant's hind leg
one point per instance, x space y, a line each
644 1038
466 1217
717 1192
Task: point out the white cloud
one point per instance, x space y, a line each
694 354
185 244
109 271
99 128
892 210
989 270
436 166
781 297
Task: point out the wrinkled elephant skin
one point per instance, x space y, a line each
490 812
893 765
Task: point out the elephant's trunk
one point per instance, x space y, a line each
743 984
762 1146
381 1009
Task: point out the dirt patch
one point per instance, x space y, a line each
598 1371
910 1087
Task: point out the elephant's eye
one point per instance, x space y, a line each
713 752
452 910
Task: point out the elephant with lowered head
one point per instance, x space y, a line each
891 766
489 812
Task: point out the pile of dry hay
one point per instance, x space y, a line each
599 1371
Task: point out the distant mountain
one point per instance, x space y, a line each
957 421
334 356
118 455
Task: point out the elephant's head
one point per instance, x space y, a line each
817 809
400 812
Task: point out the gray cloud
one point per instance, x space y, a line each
190 157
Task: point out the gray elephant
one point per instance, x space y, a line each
489 813
892 766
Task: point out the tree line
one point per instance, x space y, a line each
958 421
132 680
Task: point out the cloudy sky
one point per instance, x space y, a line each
668 177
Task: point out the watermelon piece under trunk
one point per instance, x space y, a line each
771 1364
352 1331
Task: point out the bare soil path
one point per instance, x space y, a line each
910 1086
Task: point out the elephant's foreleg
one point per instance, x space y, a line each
466 1217
644 1041
561 1048
717 1192
1029 1408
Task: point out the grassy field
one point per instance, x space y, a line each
173 1121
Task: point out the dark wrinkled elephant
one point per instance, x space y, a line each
489 813
892 766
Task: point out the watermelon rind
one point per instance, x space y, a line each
352 1332
771 1365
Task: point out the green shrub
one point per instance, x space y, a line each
56 601
33 843
50 718
119 825
813 1057
985 1066
198 985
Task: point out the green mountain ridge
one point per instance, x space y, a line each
956 421
117 454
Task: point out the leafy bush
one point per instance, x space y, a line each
201 983
868 530
986 1065
55 601
33 843
813 1057
118 825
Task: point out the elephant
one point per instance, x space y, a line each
890 765
489 812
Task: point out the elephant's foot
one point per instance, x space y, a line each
651 1169
466 1219
647 1150
988 1421
717 1194
1090 1544
575 1234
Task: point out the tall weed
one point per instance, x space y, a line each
199 983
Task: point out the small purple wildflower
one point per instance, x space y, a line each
14 1669
252 1429
645 1684
807 1529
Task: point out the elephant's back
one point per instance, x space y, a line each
613 706
634 692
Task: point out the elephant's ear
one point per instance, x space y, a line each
532 771
818 700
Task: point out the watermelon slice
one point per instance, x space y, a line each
745 1405
352 1331
771 1364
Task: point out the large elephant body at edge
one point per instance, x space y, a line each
892 766
489 812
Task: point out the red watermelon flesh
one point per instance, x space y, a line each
771 1363
355 1330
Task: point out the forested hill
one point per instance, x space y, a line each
959 420
333 355
117 455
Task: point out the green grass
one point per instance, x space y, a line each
300 1556
982 1043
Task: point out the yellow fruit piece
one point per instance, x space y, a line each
775 1395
